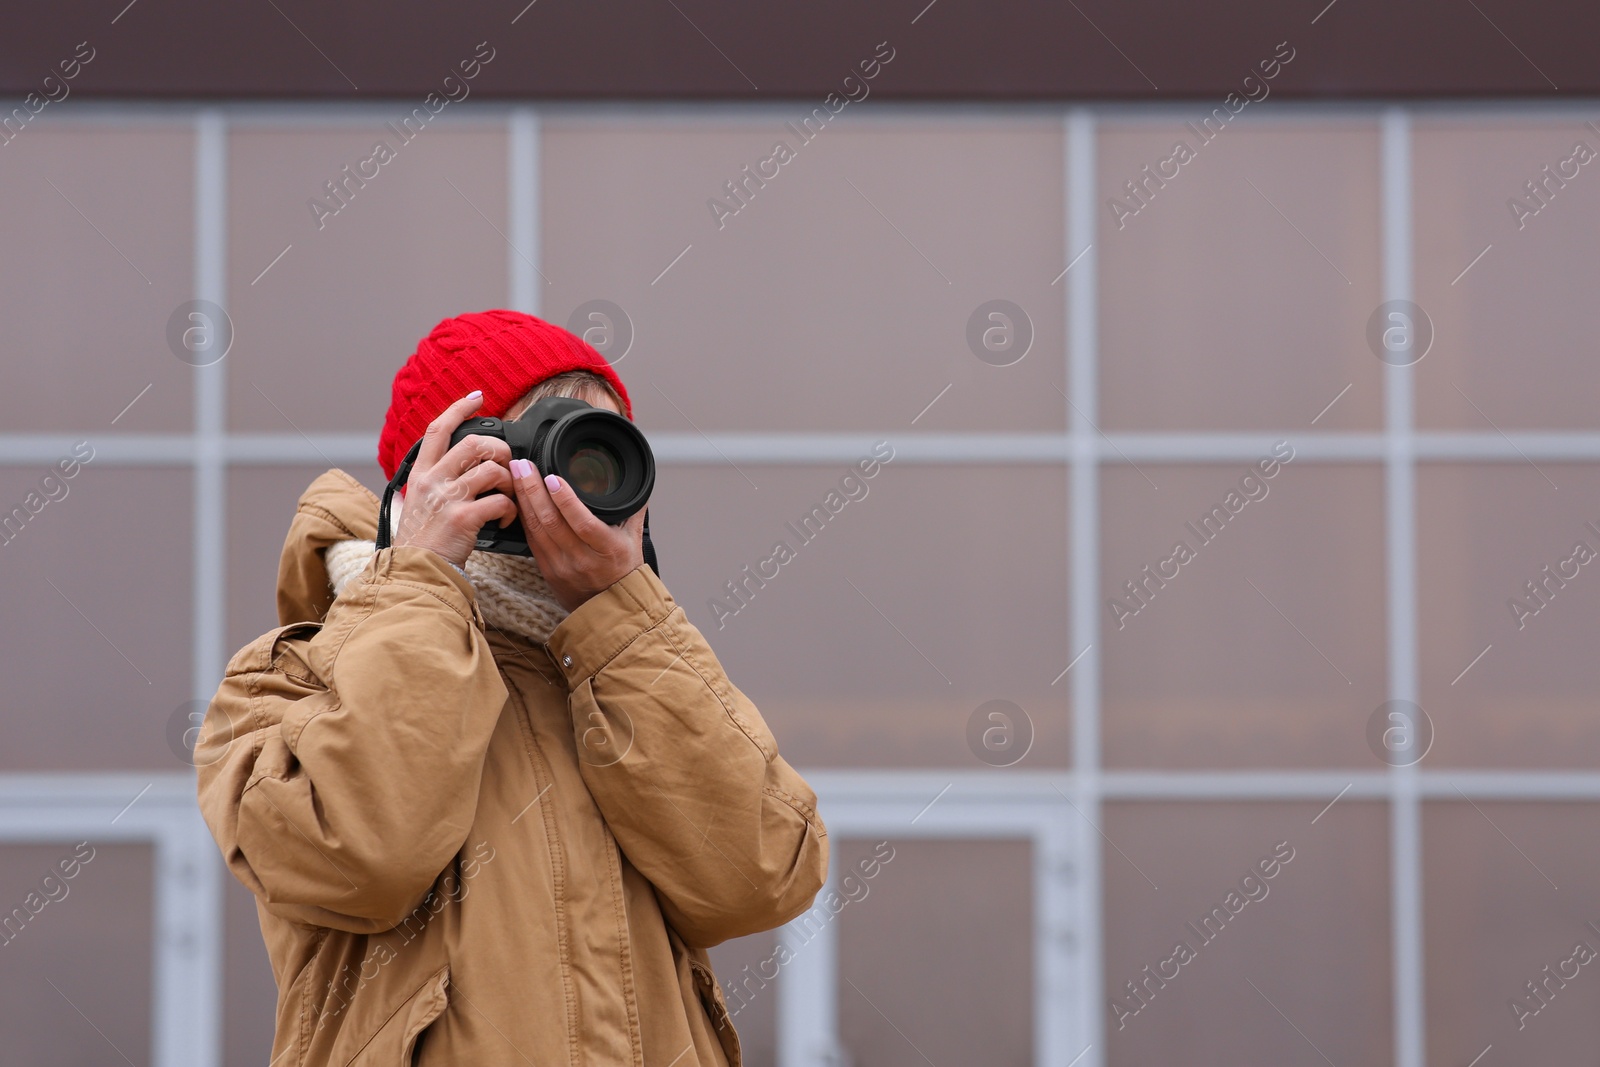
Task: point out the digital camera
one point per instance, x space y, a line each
601 454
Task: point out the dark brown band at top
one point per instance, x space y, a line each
999 50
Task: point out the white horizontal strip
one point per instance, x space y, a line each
111 791
1435 784
1520 446
849 447
1245 785
318 449
97 789
102 806
154 449
918 789
493 111
1235 447
959 803
1510 785
799 448
344 448
985 788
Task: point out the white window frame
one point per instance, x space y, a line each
1069 995
157 810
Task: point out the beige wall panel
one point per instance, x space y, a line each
936 959
1211 672
740 963
93 269
93 944
1484 533
1495 920
261 502
1227 307
249 994
1515 335
102 577
956 602
321 334
818 306
1314 938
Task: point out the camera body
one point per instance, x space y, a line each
600 454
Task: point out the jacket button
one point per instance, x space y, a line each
566 661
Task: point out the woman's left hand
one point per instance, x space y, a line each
578 554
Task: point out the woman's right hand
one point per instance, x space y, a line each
442 512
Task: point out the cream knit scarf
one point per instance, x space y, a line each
512 594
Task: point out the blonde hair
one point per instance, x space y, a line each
578 384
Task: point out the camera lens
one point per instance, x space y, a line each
594 469
600 454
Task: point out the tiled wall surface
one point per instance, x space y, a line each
836 300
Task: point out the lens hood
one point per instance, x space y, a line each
601 454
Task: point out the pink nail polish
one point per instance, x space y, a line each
520 469
551 482
476 394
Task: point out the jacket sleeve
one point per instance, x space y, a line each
683 768
339 763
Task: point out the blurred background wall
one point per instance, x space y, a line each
984 255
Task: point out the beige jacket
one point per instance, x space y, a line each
471 850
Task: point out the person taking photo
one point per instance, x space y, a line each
494 809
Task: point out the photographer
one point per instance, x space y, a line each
494 808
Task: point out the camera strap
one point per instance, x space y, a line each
649 545
403 473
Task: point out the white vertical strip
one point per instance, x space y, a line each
188 990
1057 885
187 1002
1405 813
210 405
523 179
808 988
1080 1020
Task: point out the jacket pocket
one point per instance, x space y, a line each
717 1008
396 1041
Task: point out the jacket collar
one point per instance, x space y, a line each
335 507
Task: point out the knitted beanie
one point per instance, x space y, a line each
503 353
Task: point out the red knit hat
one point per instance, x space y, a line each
504 353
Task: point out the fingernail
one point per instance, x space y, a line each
476 394
520 469
551 482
